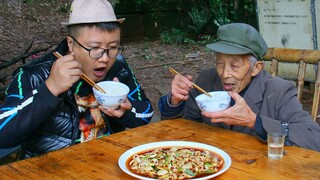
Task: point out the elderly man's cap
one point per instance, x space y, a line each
91 11
239 38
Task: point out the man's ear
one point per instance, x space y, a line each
70 43
258 66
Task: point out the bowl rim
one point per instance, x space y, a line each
127 89
218 92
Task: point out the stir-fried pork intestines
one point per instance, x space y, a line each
175 163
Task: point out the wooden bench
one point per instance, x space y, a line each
302 58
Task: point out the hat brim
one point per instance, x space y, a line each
121 20
230 48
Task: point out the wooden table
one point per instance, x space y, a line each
98 159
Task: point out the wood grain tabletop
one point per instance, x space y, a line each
98 159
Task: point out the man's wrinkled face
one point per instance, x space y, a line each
93 37
234 71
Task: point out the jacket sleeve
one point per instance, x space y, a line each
289 117
168 111
192 111
24 110
142 110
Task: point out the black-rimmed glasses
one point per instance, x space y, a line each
97 53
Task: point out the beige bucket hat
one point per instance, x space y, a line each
91 11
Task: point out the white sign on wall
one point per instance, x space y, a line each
286 23
290 24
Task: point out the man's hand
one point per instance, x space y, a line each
240 114
65 71
125 106
180 87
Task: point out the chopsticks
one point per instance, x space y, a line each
83 76
194 85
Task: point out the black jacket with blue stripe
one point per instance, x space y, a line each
33 117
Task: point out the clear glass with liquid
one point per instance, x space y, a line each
275 145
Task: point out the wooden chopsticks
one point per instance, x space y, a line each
92 83
83 76
194 85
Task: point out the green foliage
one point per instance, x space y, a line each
28 2
189 41
174 36
199 19
165 37
203 16
141 1
177 36
220 12
65 8
231 11
205 39
114 2
249 8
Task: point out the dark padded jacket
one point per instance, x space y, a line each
41 122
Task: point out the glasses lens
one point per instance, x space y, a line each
96 53
113 52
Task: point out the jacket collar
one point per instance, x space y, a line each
63 47
254 94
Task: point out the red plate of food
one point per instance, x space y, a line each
174 160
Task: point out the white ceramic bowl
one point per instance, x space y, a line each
219 101
116 93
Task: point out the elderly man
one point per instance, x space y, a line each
48 106
260 103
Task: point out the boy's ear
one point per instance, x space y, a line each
70 43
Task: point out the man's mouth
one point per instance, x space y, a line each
99 72
228 86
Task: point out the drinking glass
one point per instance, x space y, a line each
275 145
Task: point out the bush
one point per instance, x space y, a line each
199 19
174 36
